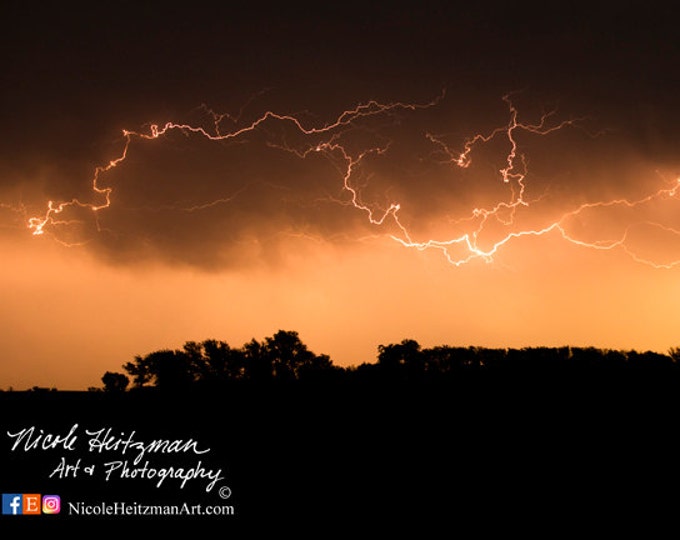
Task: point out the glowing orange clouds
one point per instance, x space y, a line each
371 147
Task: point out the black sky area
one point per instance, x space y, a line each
71 68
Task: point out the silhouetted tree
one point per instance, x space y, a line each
613 360
290 358
140 370
404 360
456 358
223 363
674 354
258 364
115 382
650 361
586 359
320 368
165 369
365 373
488 359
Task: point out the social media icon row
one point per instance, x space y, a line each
16 504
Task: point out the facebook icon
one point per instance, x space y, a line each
11 503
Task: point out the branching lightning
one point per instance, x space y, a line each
330 140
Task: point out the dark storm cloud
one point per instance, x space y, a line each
75 78
183 198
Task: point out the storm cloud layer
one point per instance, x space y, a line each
75 84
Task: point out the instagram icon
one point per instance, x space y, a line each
51 504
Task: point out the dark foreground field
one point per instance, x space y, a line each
546 455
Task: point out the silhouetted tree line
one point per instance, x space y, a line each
285 358
282 357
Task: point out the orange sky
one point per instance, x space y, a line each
281 213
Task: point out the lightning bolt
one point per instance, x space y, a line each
347 118
514 173
330 139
